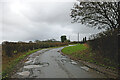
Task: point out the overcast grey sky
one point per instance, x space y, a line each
24 20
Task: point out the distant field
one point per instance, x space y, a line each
73 49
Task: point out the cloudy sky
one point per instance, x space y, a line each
25 20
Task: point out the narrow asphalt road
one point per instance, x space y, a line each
49 63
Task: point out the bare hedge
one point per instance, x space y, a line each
106 44
12 48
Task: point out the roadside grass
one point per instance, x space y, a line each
85 53
72 49
8 63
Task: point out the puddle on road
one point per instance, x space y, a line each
45 64
24 74
65 59
74 63
85 68
36 65
27 69
32 66
28 62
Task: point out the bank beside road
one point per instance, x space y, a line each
83 53
9 63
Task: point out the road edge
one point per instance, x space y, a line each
107 72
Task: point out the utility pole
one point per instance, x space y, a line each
78 37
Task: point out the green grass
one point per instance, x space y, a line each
9 65
73 49
81 52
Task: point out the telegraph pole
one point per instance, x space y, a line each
78 37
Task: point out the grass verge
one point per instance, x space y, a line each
85 53
8 63
72 49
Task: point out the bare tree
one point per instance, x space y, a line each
101 15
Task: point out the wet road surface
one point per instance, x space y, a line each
49 63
